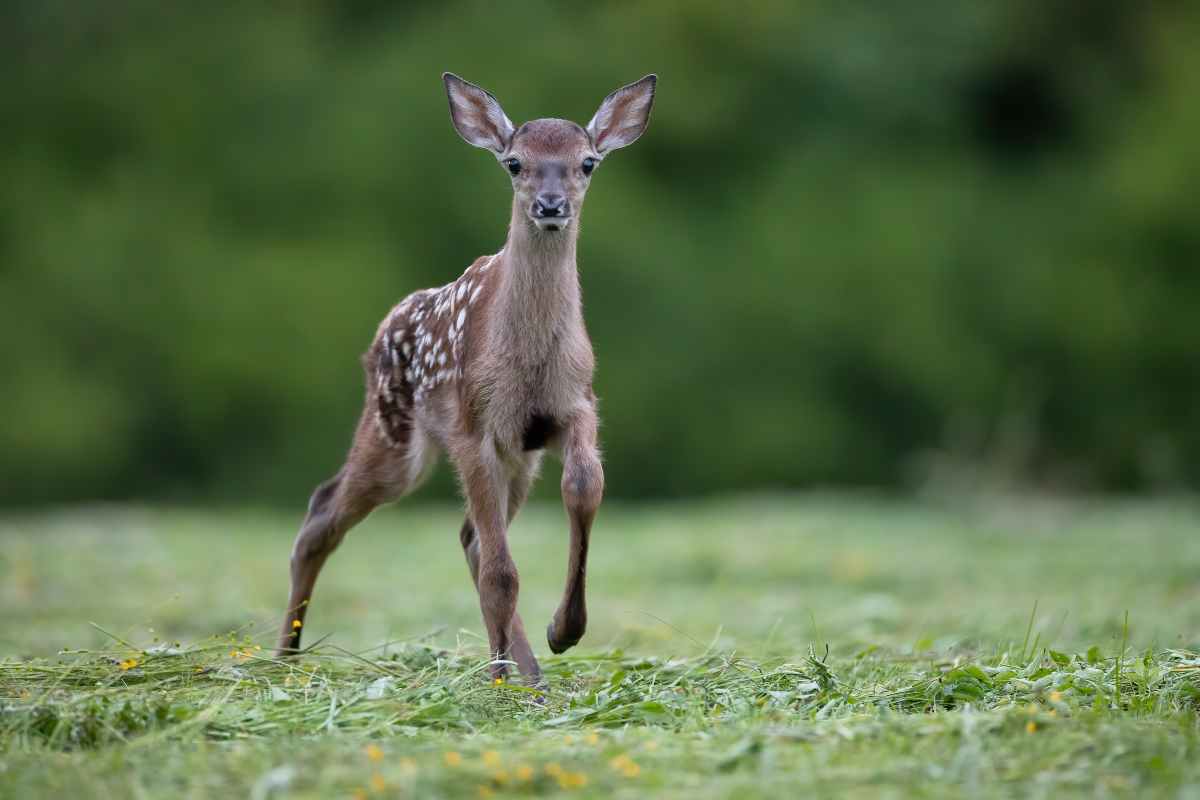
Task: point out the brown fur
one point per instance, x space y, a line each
489 369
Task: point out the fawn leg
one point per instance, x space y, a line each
582 489
519 649
324 527
372 475
495 574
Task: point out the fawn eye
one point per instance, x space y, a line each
514 166
588 165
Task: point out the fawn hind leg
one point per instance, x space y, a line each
374 473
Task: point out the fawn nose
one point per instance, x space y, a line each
550 205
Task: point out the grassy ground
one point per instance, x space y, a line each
705 670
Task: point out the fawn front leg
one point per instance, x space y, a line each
496 575
519 647
582 489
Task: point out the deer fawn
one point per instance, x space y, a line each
491 369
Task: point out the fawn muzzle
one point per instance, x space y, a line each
549 206
550 212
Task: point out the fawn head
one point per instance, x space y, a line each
550 160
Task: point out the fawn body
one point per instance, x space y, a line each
491 369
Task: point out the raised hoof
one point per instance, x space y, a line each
558 646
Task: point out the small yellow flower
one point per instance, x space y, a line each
592 739
626 766
378 784
491 758
452 758
128 664
1055 697
553 769
568 739
297 624
360 794
524 773
500 776
572 780
497 681
374 752
484 791
1030 727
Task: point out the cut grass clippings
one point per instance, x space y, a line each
428 720
974 650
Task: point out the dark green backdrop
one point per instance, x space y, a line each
946 242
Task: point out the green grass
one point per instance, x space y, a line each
831 646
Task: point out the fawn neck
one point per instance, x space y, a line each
538 296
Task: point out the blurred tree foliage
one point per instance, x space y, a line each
856 246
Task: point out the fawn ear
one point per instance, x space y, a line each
623 115
477 116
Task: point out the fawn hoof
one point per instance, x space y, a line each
561 644
289 643
536 681
288 646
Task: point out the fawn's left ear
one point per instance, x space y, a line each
623 116
477 116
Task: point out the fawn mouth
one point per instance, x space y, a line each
551 223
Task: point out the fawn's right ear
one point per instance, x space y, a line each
477 116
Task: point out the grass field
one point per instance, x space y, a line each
755 647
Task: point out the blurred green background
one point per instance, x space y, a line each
941 244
